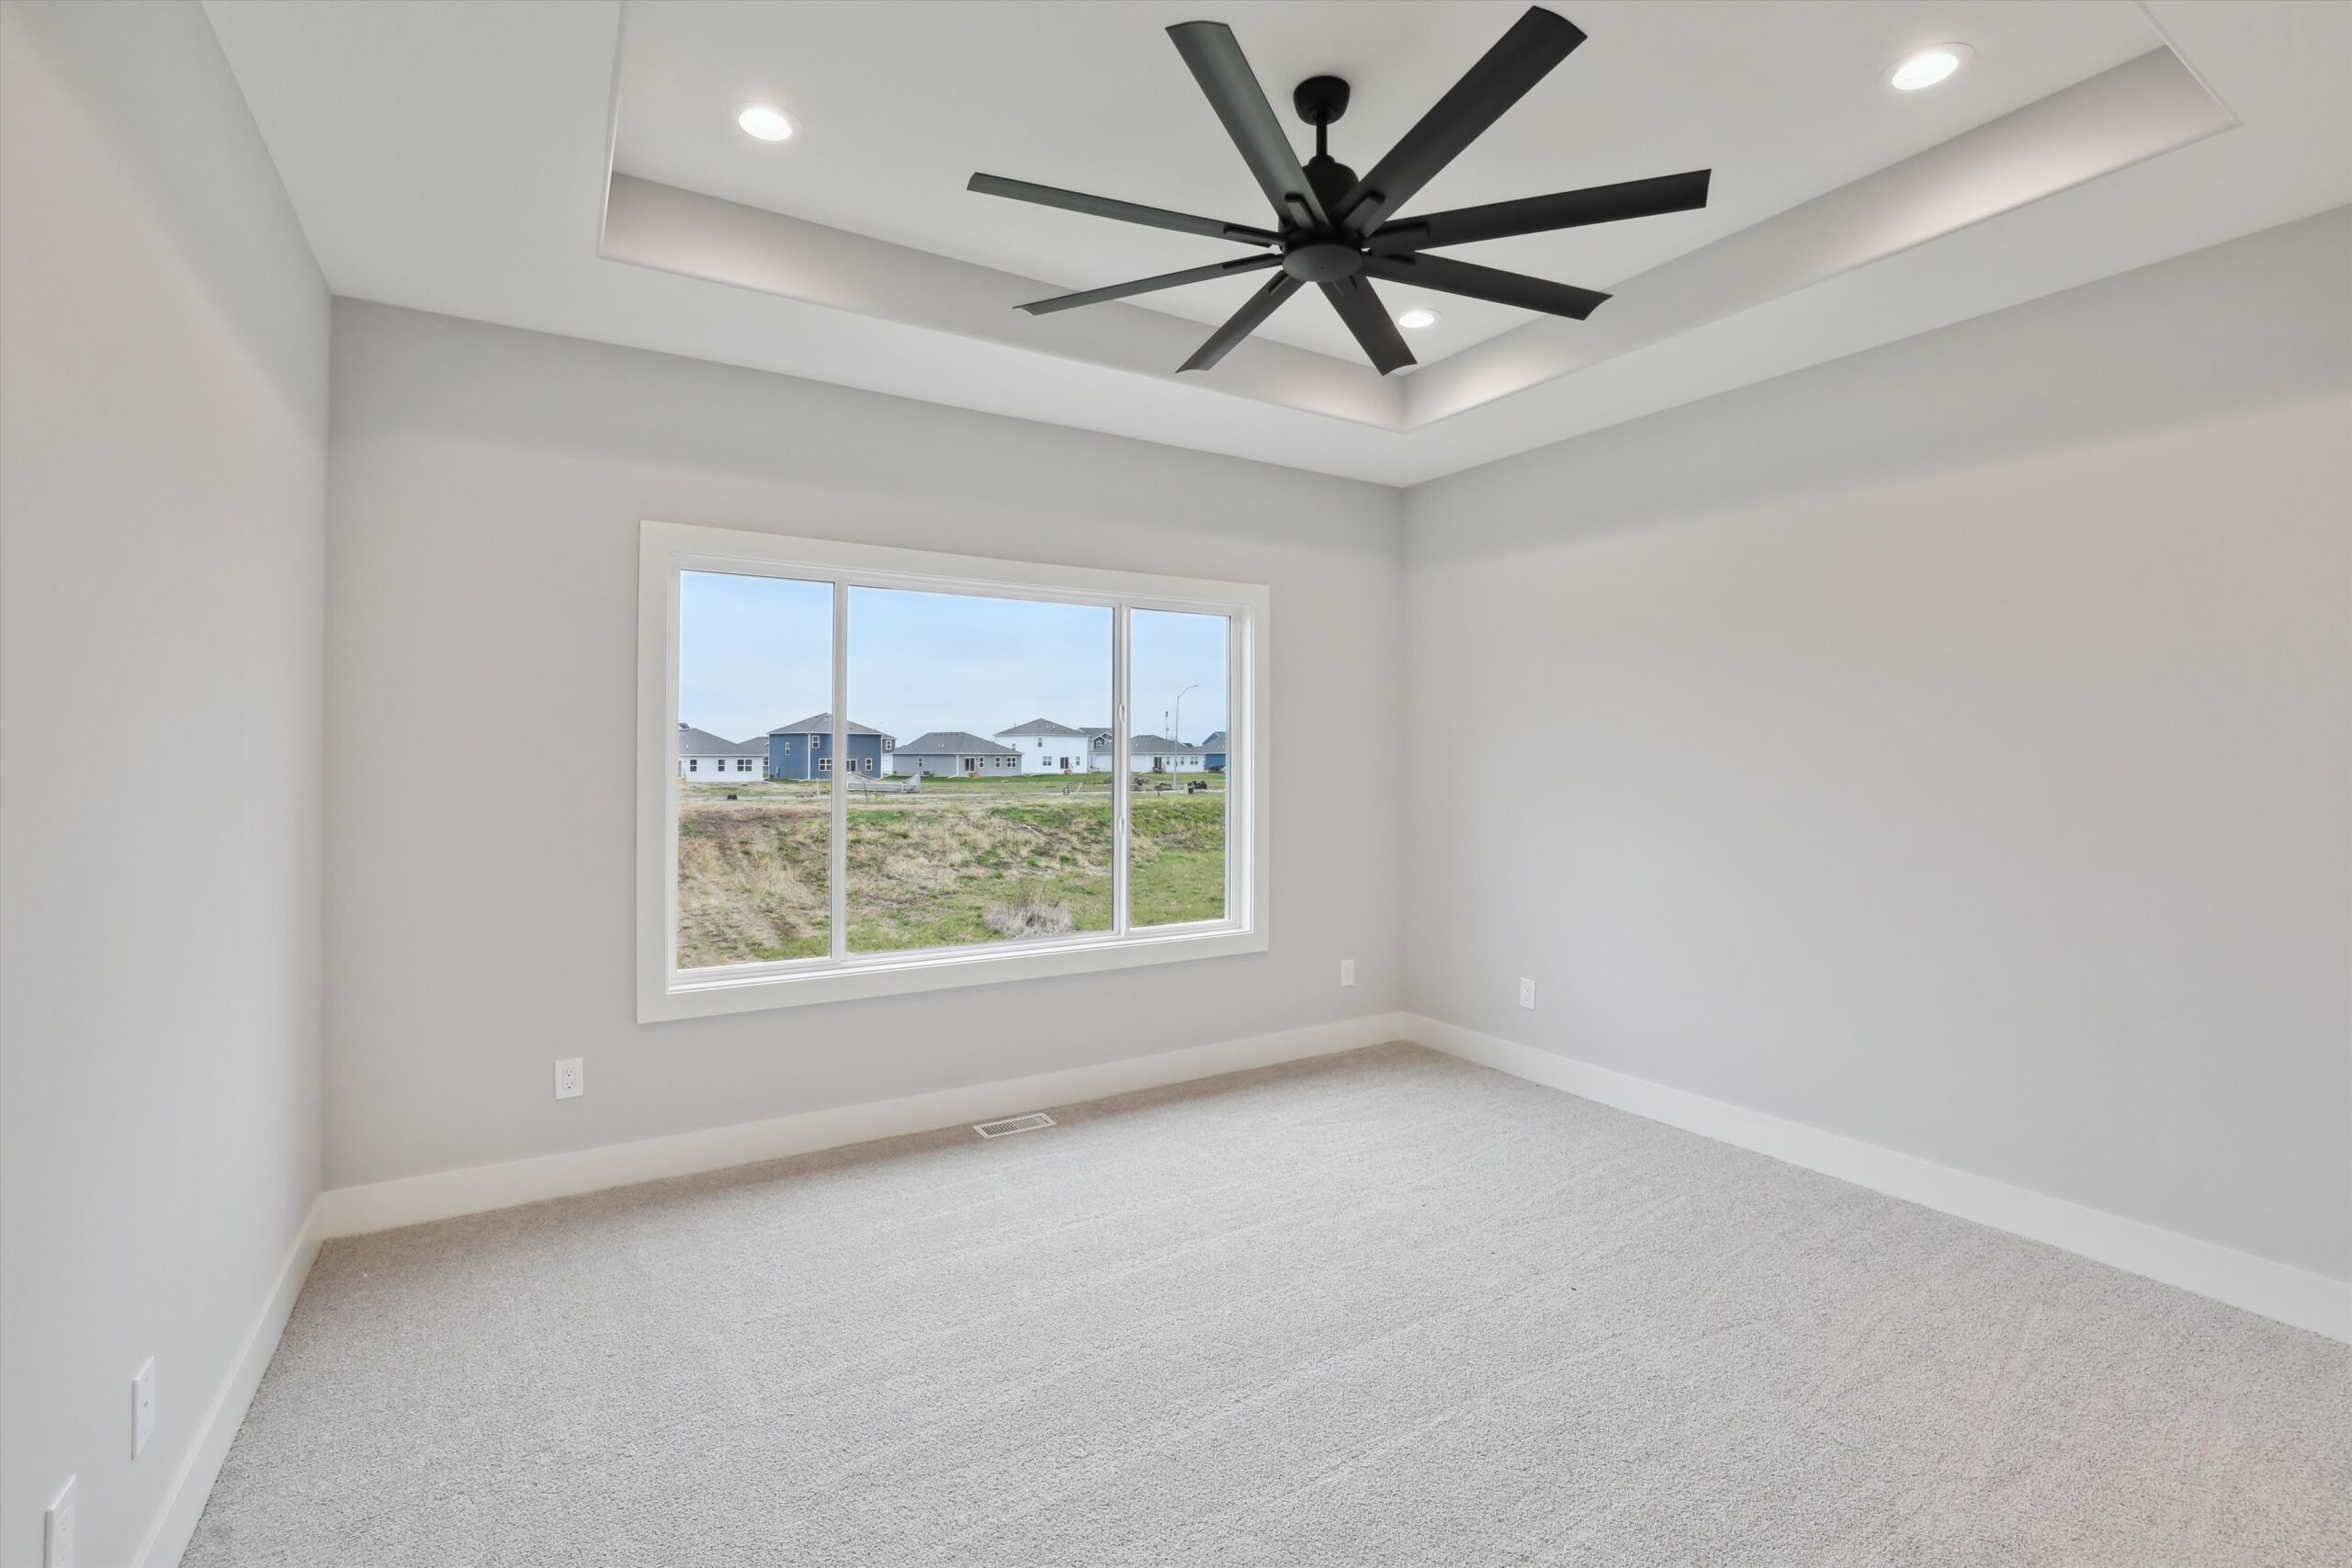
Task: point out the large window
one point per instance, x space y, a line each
937 854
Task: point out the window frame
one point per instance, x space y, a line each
665 992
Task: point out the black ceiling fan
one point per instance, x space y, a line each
1339 232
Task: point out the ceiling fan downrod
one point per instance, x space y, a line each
1323 253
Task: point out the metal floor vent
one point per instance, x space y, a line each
1028 1124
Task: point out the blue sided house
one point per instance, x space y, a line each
805 750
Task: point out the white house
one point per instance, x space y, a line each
709 758
1045 746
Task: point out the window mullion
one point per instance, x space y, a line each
1120 630
837 841
1238 766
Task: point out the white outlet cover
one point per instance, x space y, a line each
142 1407
571 1079
57 1531
1527 993
1347 971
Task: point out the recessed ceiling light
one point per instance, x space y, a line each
1415 319
1929 66
767 124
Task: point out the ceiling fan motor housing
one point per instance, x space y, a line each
1322 261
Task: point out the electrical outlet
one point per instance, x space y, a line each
1347 971
1527 993
57 1531
571 1079
142 1407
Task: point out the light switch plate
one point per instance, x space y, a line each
571 1079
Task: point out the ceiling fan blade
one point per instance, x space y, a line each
1263 303
1147 285
1224 74
1125 211
1360 307
1542 214
1520 59
1448 276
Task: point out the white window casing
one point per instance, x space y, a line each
666 992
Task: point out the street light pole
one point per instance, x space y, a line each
1177 728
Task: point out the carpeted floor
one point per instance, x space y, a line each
1381 1308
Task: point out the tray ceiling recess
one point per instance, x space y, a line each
583 168
2143 105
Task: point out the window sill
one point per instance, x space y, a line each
757 987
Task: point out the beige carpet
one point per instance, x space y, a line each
1381 1308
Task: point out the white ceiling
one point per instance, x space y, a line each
899 104
455 157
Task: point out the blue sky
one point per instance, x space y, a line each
752 653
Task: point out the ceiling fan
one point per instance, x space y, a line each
1340 232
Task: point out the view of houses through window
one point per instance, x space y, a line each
962 843
979 765
754 857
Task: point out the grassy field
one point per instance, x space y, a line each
963 861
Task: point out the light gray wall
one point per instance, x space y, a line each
1950 746
162 410
486 489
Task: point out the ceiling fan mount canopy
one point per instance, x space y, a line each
1340 231
1319 100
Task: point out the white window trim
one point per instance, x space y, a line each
665 992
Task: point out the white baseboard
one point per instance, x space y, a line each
408 1200
184 1504
2257 1284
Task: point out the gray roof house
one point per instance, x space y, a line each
702 754
804 749
1215 748
1157 754
954 751
1043 728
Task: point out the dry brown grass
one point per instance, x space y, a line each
1029 912
938 869
750 882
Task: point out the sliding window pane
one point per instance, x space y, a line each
755 819
980 806
1181 759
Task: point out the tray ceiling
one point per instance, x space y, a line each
572 167
899 104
